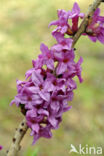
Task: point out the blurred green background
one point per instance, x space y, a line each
23 26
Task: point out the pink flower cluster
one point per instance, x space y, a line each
94 30
63 18
47 90
49 85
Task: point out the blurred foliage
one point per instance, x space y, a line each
23 26
31 152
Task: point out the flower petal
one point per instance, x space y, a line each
62 67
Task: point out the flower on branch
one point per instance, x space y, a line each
95 28
49 85
62 23
45 93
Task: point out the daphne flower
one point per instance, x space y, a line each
1 147
95 29
44 95
63 17
62 22
47 57
75 15
63 43
67 59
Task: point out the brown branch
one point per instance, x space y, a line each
20 132
84 23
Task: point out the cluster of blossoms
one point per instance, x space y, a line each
49 85
94 30
48 88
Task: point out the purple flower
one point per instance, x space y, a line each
62 22
43 132
95 29
74 15
1 147
63 17
46 58
45 94
40 85
74 69
49 85
63 43
67 59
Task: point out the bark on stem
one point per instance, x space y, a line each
20 132
84 23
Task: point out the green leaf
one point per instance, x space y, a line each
35 153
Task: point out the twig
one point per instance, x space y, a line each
20 132
84 24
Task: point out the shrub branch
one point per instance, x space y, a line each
19 134
84 23
22 129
